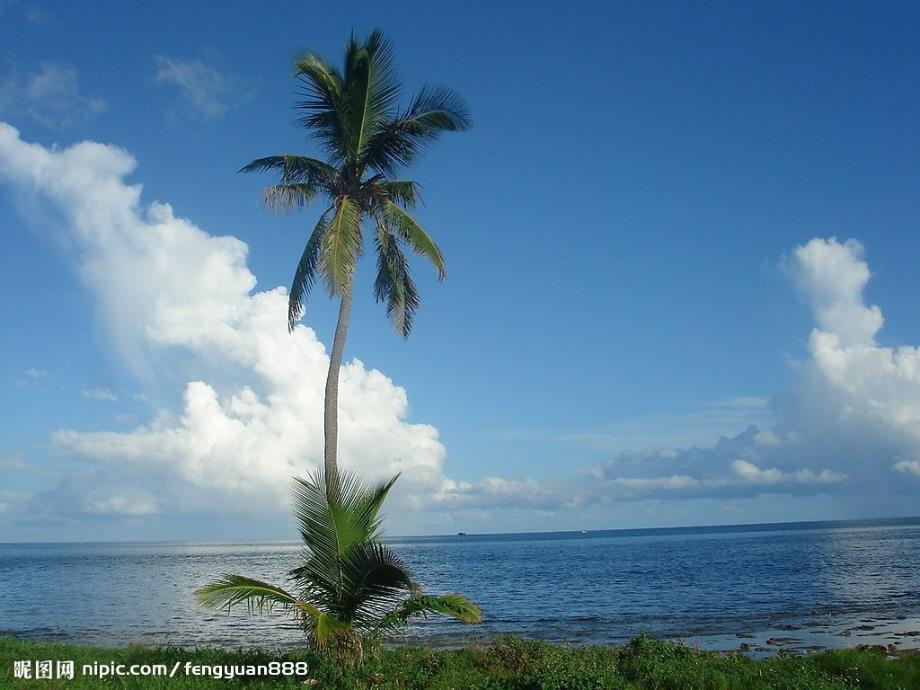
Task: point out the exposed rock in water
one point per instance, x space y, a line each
875 647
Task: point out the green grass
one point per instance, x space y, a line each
507 663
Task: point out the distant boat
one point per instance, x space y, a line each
461 534
584 531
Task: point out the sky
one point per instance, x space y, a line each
681 247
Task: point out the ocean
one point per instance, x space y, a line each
795 585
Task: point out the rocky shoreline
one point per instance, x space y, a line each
891 636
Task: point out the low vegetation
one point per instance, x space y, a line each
508 663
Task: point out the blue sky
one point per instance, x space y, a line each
621 229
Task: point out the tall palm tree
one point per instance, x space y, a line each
369 139
350 587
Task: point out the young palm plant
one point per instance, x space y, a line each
368 138
350 588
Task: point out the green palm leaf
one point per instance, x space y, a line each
305 275
294 169
335 513
341 246
367 507
437 109
434 110
231 590
321 90
399 220
394 285
302 179
453 605
371 89
285 198
406 193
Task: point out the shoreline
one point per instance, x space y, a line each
892 636
798 634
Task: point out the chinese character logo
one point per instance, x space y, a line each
65 670
22 669
43 670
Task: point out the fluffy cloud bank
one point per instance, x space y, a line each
867 383
850 426
176 300
165 285
851 418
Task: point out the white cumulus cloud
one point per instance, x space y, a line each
753 473
852 385
907 467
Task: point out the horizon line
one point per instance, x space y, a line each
786 523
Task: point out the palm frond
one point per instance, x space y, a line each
330 514
322 94
415 236
406 193
302 178
375 579
453 605
333 514
230 590
286 198
305 275
341 246
434 110
319 529
367 508
371 87
394 286
293 168
345 570
437 109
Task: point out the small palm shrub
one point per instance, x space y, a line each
349 590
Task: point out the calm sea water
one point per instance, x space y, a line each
828 584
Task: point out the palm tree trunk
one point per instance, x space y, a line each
331 411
